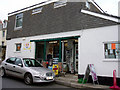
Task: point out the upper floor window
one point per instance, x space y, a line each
19 20
37 10
112 50
87 5
60 3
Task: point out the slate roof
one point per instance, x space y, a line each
51 20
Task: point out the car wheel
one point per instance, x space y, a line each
2 72
28 79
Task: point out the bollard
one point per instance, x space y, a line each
114 82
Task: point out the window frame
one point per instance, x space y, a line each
60 3
19 27
37 10
110 59
16 47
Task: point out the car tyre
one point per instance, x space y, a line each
2 72
28 79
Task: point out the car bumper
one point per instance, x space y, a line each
38 80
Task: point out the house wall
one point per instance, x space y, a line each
91 48
4 38
11 48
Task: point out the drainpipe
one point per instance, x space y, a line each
44 51
62 54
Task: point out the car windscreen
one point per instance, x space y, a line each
31 63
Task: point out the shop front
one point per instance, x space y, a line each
60 51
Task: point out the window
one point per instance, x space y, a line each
38 10
11 60
18 47
3 34
60 3
18 61
87 4
19 20
5 24
112 50
2 43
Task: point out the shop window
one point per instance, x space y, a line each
112 50
19 20
56 51
18 47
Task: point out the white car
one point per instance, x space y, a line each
28 69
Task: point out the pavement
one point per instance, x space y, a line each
71 80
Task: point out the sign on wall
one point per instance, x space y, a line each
27 46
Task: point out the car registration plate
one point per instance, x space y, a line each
49 78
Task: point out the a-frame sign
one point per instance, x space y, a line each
91 69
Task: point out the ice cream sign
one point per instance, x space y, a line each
27 46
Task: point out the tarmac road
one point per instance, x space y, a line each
12 83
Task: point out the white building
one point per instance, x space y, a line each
70 31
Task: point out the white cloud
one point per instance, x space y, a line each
111 6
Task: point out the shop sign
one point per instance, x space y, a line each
27 46
55 69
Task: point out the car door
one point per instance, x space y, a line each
9 66
18 68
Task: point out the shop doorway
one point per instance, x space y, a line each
70 55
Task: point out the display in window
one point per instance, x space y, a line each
112 50
18 47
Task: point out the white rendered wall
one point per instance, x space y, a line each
91 50
11 48
10 51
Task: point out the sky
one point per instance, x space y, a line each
8 6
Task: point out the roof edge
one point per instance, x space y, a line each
104 16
